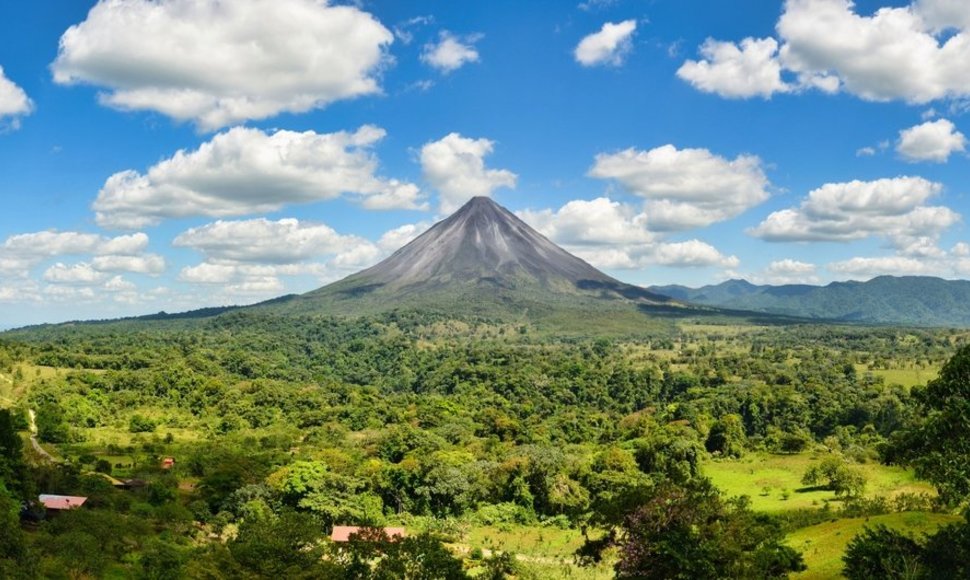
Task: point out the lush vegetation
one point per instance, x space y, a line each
619 456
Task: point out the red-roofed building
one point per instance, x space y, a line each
343 533
61 502
168 463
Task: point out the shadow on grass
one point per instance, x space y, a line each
811 488
718 314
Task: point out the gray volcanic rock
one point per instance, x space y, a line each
482 240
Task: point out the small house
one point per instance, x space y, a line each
343 533
59 503
129 484
168 463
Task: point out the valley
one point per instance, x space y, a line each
494 437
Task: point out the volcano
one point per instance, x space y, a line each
481 260
485 244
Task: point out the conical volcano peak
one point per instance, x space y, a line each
480 204
482 241
482 251
481 211
480 201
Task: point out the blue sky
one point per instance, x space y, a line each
175 154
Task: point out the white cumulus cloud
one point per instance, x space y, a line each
284 241
22 252
788 271
750 69
221 62
400 236
451 52
609 46
243 171
894 209
455 166
82 274
913 53
14 102
53 243
942 15
250 258
686 188
242 279
611 235
151 264
248 279
869 267
597 222
932 141
209 273
119 284
691 254
893 54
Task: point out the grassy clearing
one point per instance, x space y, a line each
8 395
543 571
33 373
120 464
824 544
547 542
907 377
729 330
766 477
14 385
547 552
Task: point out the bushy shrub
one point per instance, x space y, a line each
503 513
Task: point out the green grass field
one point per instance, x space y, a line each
545 552
547 542
729 330
908 377
765 478
7 394
14 387
823 545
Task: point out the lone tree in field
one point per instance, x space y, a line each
835 474
727 437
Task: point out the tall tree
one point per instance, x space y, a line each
691 533
12 466
938 443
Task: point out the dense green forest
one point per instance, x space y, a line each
615 448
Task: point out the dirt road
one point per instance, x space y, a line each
33 438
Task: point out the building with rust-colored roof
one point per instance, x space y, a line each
61 502
343 533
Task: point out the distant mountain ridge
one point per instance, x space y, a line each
909 300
